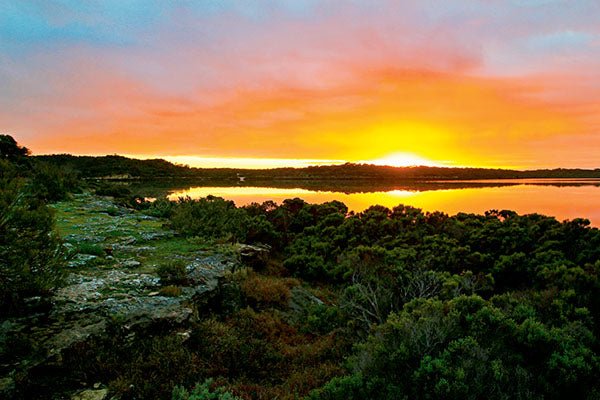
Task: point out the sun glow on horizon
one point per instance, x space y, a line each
240 162
398 159
403 160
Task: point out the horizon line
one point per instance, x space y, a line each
277 163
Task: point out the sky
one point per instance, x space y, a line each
485 83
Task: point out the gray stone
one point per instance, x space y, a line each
91 394
130 263
80 260
254 256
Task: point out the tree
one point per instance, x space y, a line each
31 255
10 149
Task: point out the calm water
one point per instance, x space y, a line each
563 199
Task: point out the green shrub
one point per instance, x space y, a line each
53 183
113 211
90 248
31 254
173 273
113 190
210 217
161 208
322 318
203 391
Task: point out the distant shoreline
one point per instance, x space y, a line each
123 168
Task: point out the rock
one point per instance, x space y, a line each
147 236
207 270
130 264
254 256
128 240
116 292
91 394
76 334
73 238
81 260
300 301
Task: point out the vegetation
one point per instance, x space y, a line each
381 304
172 273
31 255
202 392
118 167
497 305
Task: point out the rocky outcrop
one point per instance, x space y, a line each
118 286
254 256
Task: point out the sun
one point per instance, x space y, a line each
402 160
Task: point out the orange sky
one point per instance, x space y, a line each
492 84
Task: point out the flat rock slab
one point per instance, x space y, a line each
91 394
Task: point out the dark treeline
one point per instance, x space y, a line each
107 166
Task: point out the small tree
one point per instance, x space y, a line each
31 255
10 149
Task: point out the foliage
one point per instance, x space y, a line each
114 166
210 217
170 291
173 273
203 391
53 183
496 305
10 150
161 208
31 255
90 248
382 304
264 291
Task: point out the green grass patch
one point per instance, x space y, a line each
90 248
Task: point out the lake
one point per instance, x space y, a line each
563 199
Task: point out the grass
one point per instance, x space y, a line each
85 217
90 248
170 291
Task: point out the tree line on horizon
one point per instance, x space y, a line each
115 166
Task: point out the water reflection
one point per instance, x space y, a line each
562 199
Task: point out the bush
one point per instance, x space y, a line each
52 183
90 248
173 273
113 190
161 208
204 391
10 150
266 291
170 291
210 217
307 266
31 254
